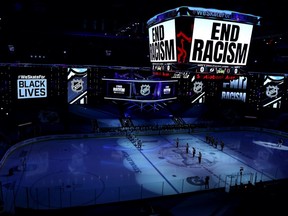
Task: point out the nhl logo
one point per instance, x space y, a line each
77 85
145 90
198 87
272 91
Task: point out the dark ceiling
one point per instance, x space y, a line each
83 30
73 15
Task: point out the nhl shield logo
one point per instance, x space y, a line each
272 91
198 87
77 85
145 90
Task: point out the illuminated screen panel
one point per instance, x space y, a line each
77 85
272 91
118 90
36 86
167 90
198 89
30 83
220 42
162 42
146 91
140 90
235 89
155 90
190 42
31 86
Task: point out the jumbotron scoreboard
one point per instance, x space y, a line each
200 40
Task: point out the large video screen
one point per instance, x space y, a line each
272 91
35 86
119 89
199 41
198 93
220 42
31 86
30 83
77 85
162 42
140 90
235 89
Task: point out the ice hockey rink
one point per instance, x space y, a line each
53 172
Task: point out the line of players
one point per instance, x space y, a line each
209 139
193 150
135 140
214 142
